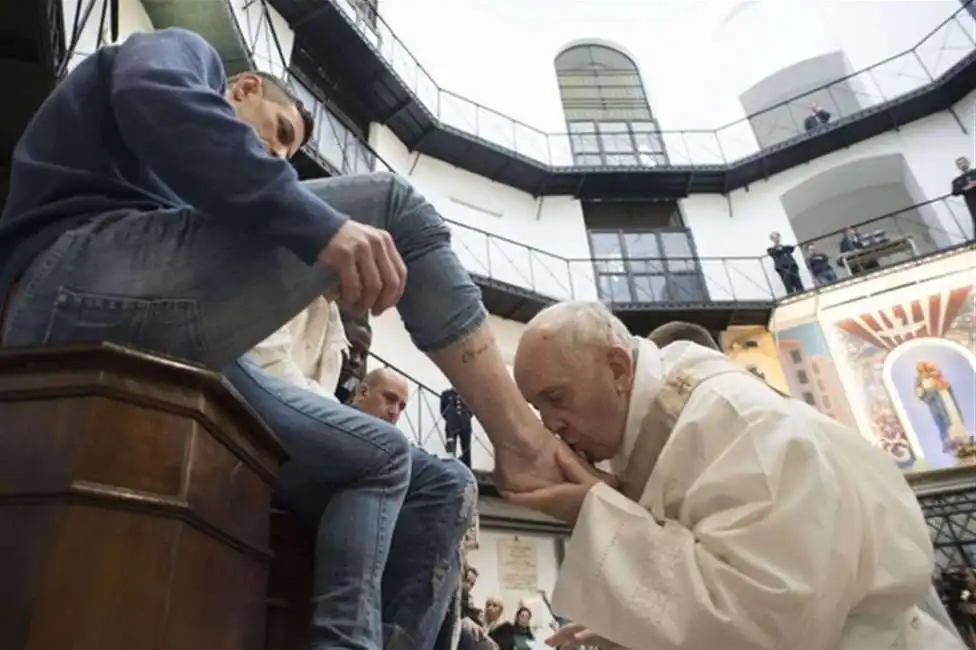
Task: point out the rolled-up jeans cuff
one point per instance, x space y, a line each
457 333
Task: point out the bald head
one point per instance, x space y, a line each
382 394
680 331
575 364
576 325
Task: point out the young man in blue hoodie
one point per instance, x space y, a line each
151 203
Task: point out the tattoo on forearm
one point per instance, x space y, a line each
470 355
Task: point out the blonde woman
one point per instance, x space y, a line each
494 608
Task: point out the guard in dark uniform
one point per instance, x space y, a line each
457 424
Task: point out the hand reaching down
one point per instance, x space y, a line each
573 636
371 271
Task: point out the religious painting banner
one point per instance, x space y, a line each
753 348
908 358
810 372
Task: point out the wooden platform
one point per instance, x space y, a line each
134 504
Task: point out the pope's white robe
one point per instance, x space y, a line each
757 524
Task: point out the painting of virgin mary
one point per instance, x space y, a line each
936 392
932 386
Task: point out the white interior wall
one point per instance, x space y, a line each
776 114
675 44
486 560
731 232
547 249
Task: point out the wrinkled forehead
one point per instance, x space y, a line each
539 366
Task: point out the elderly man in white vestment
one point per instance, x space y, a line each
744 520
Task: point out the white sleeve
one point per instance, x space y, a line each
274 356
769 556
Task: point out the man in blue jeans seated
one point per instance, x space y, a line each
151 203
400 512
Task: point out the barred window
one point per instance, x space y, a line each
608 117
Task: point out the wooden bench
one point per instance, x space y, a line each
290 584
135 500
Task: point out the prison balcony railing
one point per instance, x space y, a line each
847 99
941 225
86 26
421 419
934 225
615 280
912 233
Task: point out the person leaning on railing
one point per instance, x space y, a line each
964 185
785 264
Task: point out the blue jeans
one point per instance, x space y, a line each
389 516
424 567
198 287
346 479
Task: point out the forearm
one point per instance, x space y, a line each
477 371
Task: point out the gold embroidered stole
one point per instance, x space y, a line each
656 427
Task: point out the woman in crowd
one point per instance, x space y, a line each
494 608
517 635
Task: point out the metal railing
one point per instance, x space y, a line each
934 225
913 232
421 420
931 226
948 44
951 517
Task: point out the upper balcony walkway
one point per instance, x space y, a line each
364 55
518 279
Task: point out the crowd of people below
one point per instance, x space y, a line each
491 628
957 589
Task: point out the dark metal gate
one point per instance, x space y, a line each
951 516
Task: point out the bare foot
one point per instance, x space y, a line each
528 468
532 469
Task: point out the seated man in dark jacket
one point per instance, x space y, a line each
851 242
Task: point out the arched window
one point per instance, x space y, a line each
607 113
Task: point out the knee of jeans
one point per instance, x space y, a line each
398 450
396 186
406 200
463 485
